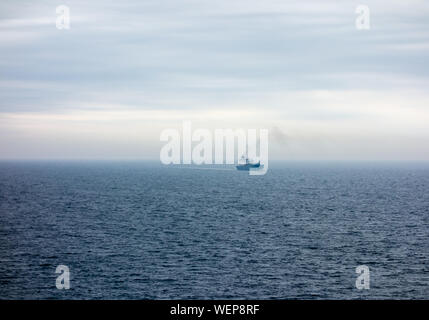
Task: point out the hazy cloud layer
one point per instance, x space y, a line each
127 69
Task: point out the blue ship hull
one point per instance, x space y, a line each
247 166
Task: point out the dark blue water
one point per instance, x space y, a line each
142 231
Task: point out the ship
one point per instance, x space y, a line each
247 165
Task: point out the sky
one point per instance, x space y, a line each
126 70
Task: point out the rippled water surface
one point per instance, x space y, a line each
130 230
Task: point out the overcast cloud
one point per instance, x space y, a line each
128 69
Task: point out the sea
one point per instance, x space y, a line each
143 230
